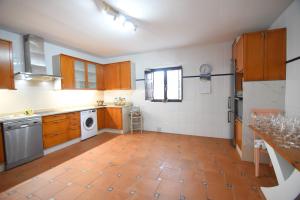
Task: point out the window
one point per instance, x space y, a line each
164 84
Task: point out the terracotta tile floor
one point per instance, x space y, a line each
138 167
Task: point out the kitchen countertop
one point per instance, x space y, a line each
47 112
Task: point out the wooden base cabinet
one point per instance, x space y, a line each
61 128
113 118
238 133
101 118
74 128
6 65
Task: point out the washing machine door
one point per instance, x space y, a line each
89 123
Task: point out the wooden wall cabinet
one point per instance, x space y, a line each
100 77
6 65
238 133
67 72
118 76
76 73
275 55
113 118
60 128
261 55
112 76
125 75
238 55
1 145
81 74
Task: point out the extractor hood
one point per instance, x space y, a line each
35 65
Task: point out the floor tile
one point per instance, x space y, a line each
138 167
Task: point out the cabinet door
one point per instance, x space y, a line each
6 66
101 118
74 129
67 72
100 77
113 118
275 54
239 55
238 133
112 76
80 74
253 56
1 146
118 119
91 76
125 75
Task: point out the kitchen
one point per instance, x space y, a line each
78 85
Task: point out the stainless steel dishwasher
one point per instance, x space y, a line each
22 140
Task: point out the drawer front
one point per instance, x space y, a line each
74 133
74 115
55 127
54 139
52 118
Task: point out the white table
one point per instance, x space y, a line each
286 163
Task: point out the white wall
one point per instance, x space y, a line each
41 95
259 94
290 19
198 114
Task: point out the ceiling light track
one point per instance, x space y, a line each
120 18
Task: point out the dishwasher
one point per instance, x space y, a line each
23 141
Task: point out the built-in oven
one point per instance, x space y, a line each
238 105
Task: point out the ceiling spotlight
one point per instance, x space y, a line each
121 19
129 26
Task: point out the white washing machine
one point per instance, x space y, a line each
89 126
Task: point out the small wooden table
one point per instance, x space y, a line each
286 163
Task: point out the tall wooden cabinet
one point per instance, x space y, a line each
261 55
6 65
238 133
275 55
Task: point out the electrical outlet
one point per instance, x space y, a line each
158 129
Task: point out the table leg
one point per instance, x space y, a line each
288 178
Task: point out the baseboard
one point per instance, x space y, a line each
110 131
61 146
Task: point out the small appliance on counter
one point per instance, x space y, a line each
120 101
100 103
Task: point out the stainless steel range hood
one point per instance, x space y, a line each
35 65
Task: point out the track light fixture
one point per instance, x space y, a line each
120 18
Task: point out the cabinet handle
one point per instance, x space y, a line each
229 116
229 103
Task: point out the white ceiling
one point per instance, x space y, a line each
161 23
